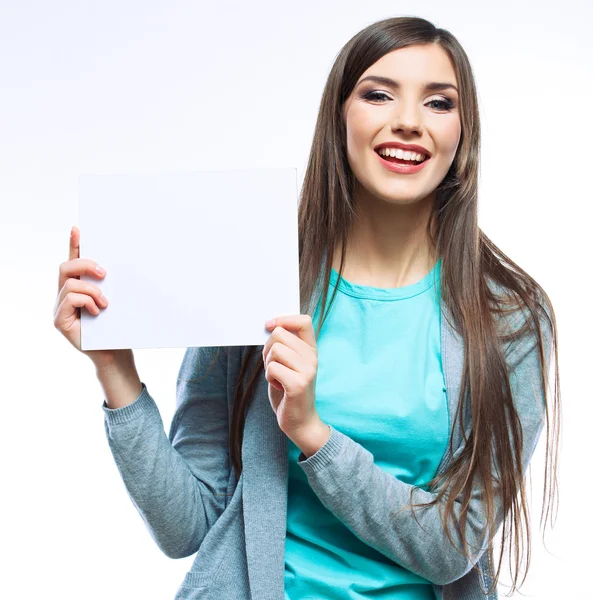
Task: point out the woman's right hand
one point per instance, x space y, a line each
73 294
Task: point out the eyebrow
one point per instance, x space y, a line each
430 86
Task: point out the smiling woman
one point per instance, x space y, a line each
390 202
376 444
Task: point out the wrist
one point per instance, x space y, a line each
313 439
105 360
120 382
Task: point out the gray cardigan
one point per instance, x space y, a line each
184 487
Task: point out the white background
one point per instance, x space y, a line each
116 87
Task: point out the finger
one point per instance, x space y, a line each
73 301
74 243
289 339
286 356
76 267
300 325
288 379
73 252
82 287
276 385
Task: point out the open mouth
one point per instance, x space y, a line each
401 161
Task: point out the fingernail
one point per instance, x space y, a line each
100 270
270 323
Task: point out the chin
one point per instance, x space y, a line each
401 200
393 195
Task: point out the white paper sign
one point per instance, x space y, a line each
193 259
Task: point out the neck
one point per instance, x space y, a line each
388 244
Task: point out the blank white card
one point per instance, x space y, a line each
192 259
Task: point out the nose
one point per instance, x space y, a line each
407 118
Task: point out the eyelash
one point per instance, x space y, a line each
448 104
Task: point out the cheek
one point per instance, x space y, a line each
359 130
450 137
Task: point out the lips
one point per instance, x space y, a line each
402 167
404 147
401 161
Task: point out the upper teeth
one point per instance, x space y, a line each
399 153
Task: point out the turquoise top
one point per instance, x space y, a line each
196 502
379 381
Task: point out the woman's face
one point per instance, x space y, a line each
405 111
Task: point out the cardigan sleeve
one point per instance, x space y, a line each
178 482
371 502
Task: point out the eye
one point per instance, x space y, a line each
375 96
446 103
442 103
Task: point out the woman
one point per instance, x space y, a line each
403 420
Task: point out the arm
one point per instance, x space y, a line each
370 502
177 483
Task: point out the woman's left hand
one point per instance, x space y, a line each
290 359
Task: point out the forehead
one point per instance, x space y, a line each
415 65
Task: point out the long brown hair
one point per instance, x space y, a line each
469 260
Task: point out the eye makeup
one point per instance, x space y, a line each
444 103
